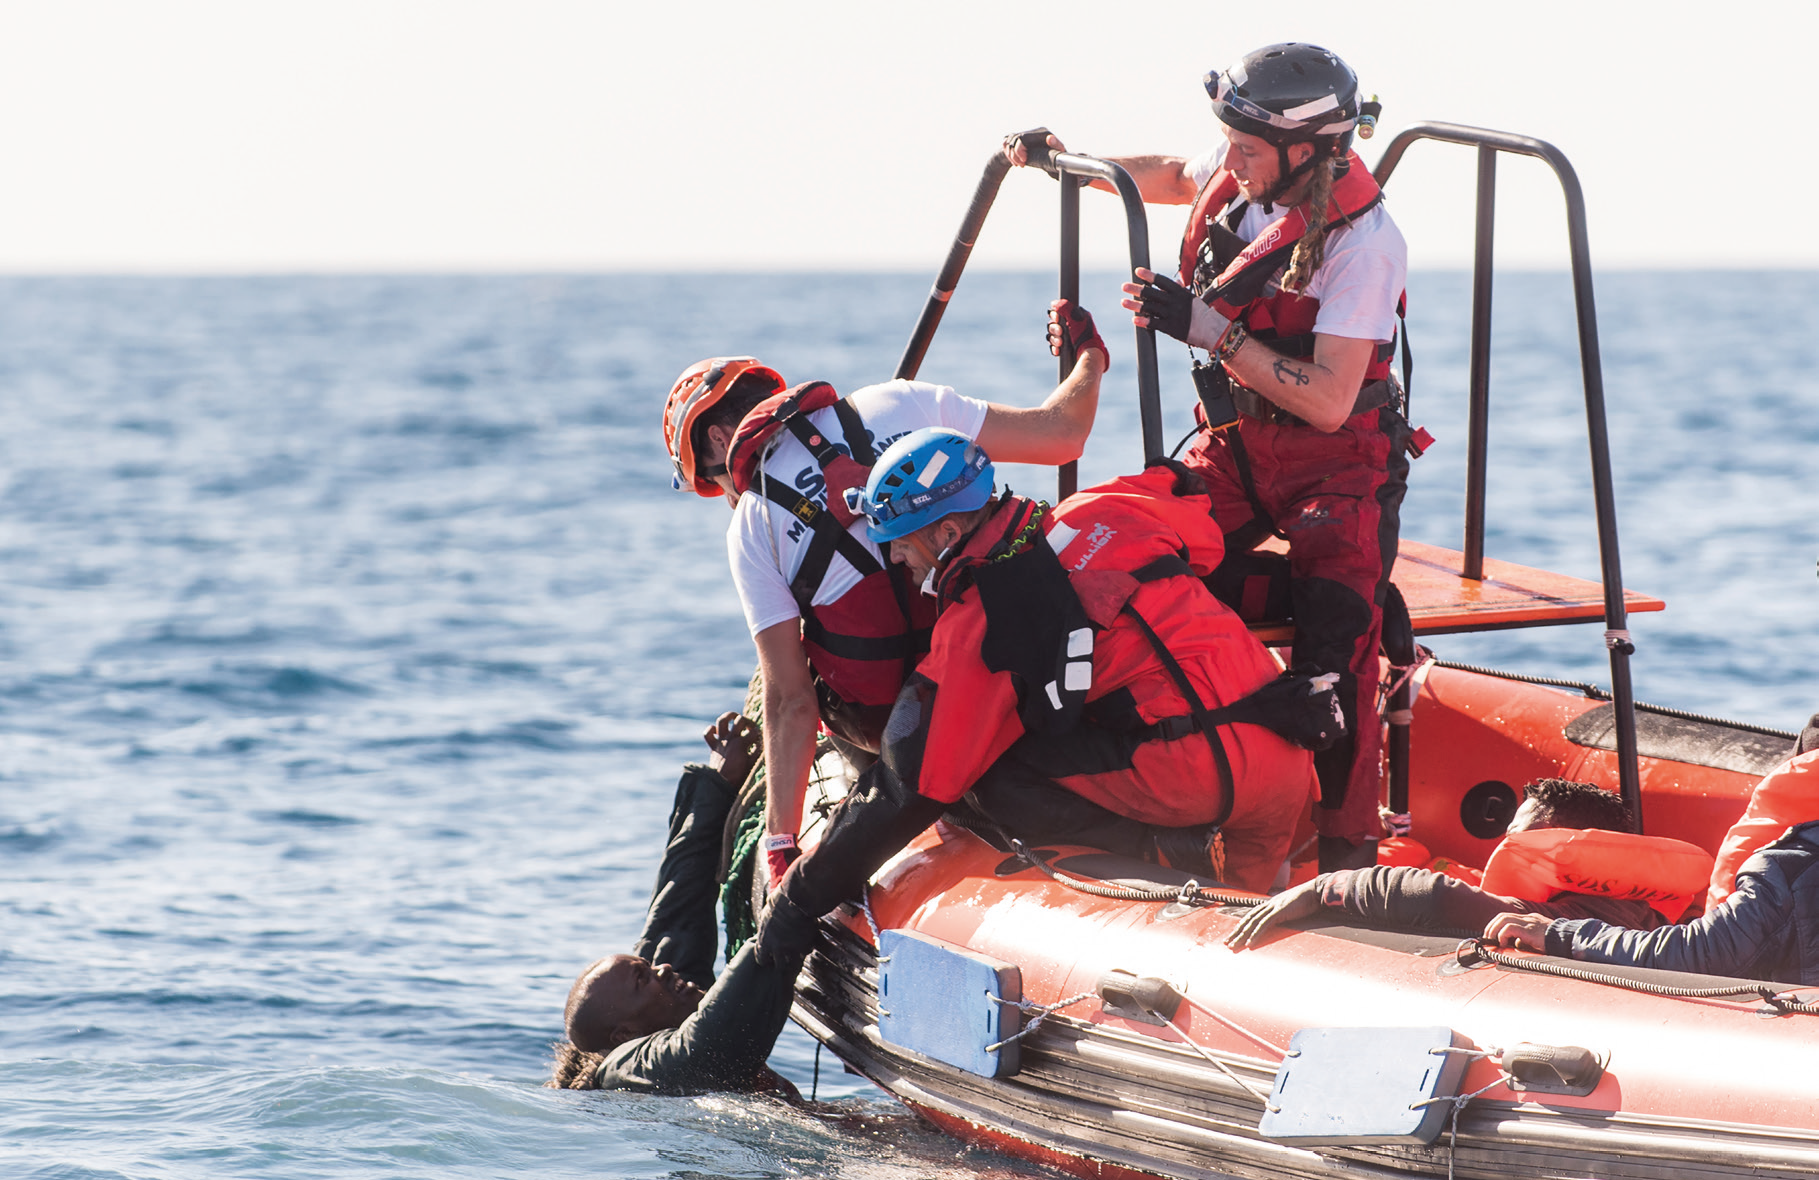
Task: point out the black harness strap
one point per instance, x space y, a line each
902 646
1260 516
829 539
1204 720
858 438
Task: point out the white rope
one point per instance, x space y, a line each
1042 1011
865 902
1452 1143
1261 1095
1236 1027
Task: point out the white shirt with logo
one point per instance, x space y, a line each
766 543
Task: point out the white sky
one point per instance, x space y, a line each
457 135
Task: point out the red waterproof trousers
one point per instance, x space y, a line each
1337 498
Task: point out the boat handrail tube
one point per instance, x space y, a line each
1067 478
949 278
1617 640
1149 384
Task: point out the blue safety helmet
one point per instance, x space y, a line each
923 476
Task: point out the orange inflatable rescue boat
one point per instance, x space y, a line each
1081 1011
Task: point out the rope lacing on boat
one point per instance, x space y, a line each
1042 1011
1477 948
1190 894
1596 693
1458 1101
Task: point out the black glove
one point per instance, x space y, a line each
1168 305
786 931
1035 142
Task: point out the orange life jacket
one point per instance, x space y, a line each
1786 796
865 642
1536 865
1283 318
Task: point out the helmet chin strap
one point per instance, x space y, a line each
934 571
1289 175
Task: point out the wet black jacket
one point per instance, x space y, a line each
1398 895
723 1045
1767 929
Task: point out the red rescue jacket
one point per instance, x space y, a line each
863 644
1104 537
1284 319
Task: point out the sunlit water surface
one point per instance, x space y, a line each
350 636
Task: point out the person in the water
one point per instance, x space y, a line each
835 625
657 1020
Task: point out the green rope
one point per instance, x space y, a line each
736 892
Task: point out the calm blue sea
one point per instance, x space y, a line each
351 635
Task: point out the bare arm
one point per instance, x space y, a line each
1321 390
791 717
1053 432
1162 180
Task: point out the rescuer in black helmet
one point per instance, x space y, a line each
1290 277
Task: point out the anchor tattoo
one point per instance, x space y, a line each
1286 372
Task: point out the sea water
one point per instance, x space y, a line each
351 637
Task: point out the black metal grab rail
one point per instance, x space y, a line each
1064 166
1489 143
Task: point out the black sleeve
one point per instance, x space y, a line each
876 819
681 927
1400 895
722 1045
1750 935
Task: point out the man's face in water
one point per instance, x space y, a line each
624 996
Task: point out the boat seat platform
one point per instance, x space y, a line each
1441 601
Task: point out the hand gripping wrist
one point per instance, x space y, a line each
785 930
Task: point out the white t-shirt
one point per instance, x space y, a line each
765 543
1362 277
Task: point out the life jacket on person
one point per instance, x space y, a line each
1060 610
1538 864
864 643
1786 796
1214 258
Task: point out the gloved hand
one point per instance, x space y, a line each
1074 324
1017 146
1171 309
780 852
785 930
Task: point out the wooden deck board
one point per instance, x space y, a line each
1441 601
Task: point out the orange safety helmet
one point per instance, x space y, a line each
698 390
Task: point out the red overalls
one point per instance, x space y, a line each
1335 497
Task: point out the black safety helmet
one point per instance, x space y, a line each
1291 93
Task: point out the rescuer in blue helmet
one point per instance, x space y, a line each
1082 686
937 475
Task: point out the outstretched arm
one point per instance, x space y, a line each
1054 432
1162 180
791 716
